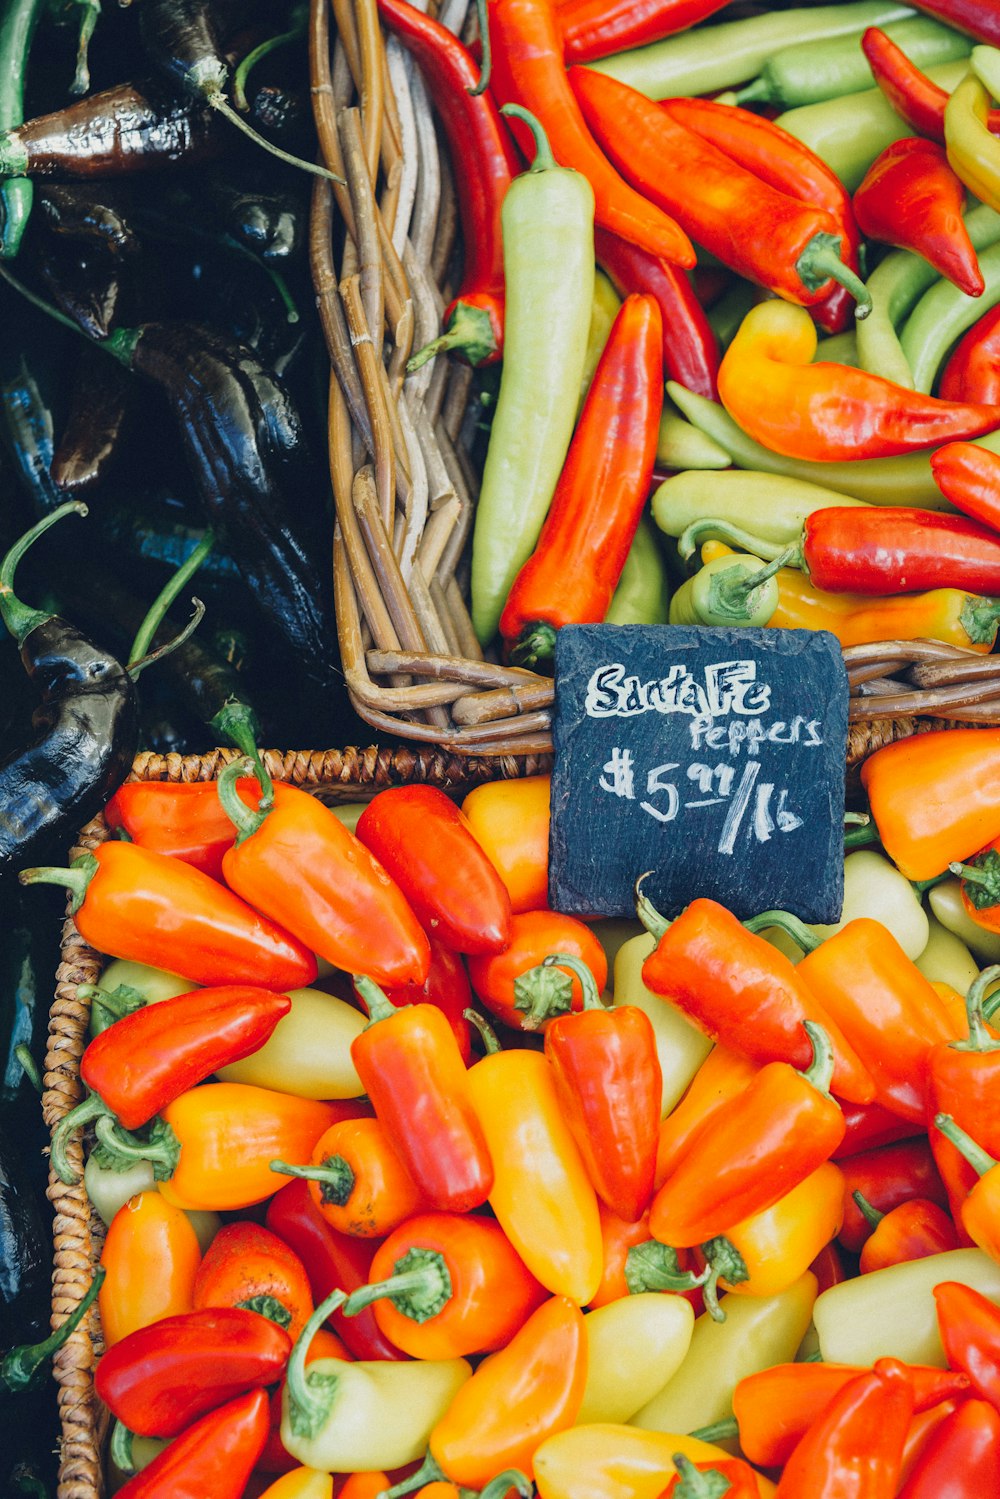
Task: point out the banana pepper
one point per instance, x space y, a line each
635 1345
606 1461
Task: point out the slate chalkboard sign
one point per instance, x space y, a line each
713 757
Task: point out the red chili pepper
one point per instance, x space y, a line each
964 1081
870 1125
690 347
855 1448
131 903
601 494
528 70
181 818
447 987
738 989
969 1324
962 1458
911 198
161 1378
913 1231
595 28
332 1260
969 477
298 859
246 1265
776 1407
768 236
484 158
887 1177
422 839
829 1268
214 1456
973 371
412 1070
534 934
788 165
771 1137
979 20
913 95
898 550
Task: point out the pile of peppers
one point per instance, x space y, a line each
414 1185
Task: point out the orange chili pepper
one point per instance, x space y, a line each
856 1445
510 822
364 1486
923 1425
723 1074
447 1284
151 1257
912 1231
357 1180
301 1483
246 1265
533 935
541 1194
935 797
981 1209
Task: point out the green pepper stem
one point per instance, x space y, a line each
238 722
89 19
107 1006
81 1114
428 1472
697 1484
820 1070
377 1003
820 261
979 1039
719 1431
862 837
244 821
591 996
486 64
709 528
20 1366
120 1448
267 1306
786 922
166 596
419 1289
162 1150
76 878
921 887
217 100
870 1214
983 877
979 1159
311 1395
544 160
735 590
979 618
652 1266
487 1034
19 618
541 994
536 645
510 1478
469 332
652 920
335 1173
296 30
197 615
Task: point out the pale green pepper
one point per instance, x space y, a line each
603 311
680 445
942 315
109 1190
949 908
612 932
308 1052
362 1417
127 986
946 959
635 1345
643 591
680 1047
758 1331
777 504
348 813
891 1313
874 887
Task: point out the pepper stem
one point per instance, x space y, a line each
310 1393
20 1367
486 66
820 1070
169 591
89 19
19 618
244 821
487 1034
377 1003
107 1006
218 100
719 1431
544 160
120 1449
591 997
242 73
540 994
76 878
708 528
428 1472
731 588
786 922
820 261
510 1478
335 1174
469 332
652 1266
419 1288
83 1113
197 615
979 618
535 646
979 1159
696 1483
870 1214
652 920
239 723
983 877
979 1038
120 1147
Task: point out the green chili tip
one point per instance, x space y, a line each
243 819
419 1288
536 645
544 160
20 1367
19 618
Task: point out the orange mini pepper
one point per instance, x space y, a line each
981 1209
151 1257
618 1236
357 1179
510 821
855 1446
935 797
364 1486
247 1265
721 1077
911 1231
301 1483
964 1081
496 978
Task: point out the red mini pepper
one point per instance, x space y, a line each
913 95
972 372
132 903
601 494
768 236
447 987
913 1231
969 476
484 158
298 863
911 198
690 347
214 1456
423 840
886 1177
595 28
961 1459
528 70
738 989
964 1081
246 1265
979 20
180 818
534 934
412 1070
969 1324
855 1448
870 1125
162 1377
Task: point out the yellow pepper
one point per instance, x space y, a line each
949 908
973 153
607 1461
758 1331
946 959
778 1246
308 1052
636 1344
301 1483
680 1048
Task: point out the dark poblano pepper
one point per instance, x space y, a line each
101 400
88 723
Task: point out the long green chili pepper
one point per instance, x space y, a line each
20 1368
895 286
717 57
940 318
906 480
680 445
17 25
643 589
778 504
548 243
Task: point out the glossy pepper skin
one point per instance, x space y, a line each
722 1076
973 369
740 990
827 412
533 935
246 1265
161 1378
510 820
887 1176
969 1324
447 987
412 1070
214 1456
601 494
963 1082
421 838
912 1231
357 1180
180 818
980 1211
961 1458
855 1448
970 478
593 28
901 550
911 198
132 903
298 859
151 1256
